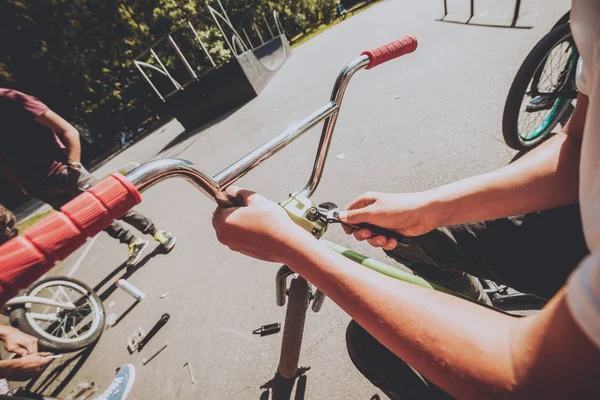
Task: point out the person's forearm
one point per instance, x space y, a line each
73 145
461 347
546 177
67 133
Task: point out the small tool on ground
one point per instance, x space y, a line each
269 329
138 339
189 366
161 322
146 361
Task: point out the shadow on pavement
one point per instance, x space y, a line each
124 314
52 381
186 135
62 371
128 272
281 388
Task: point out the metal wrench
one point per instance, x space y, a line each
332 215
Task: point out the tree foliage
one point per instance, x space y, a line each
77 55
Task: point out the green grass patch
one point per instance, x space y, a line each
31 221
312 33
317 30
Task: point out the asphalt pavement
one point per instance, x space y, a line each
429 118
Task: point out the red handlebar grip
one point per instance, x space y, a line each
392 50
26 258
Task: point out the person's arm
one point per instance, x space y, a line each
24 368
67 133
18 342
544 178
467 350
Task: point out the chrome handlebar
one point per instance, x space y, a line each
214 187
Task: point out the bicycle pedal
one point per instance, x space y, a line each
134 340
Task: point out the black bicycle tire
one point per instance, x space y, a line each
516 94
293 328
19 321
563 20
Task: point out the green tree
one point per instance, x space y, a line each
77 55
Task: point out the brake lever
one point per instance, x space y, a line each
333 216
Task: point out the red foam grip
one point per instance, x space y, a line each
21 263
56 236
392 50
88 214
117 194
24 259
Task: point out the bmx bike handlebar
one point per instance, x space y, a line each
27 257
214 186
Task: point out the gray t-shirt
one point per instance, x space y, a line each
583 288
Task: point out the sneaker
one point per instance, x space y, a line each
540 103
120 386
166 239
135 251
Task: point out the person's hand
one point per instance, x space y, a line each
18 342
258 228
74 172
407 214
24 368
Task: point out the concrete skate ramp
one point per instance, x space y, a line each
228 86
273 53
262 63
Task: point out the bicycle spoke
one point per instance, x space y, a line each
80 326
63 328
56 329
67 324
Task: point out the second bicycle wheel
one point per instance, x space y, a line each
542 91
59 330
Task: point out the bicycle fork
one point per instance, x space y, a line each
299 294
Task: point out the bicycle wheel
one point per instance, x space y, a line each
542 91
59 330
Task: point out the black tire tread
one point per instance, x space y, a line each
510 118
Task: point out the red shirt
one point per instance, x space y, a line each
29 151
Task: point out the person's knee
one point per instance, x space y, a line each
380 366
